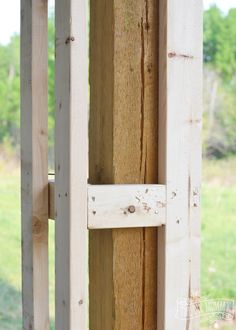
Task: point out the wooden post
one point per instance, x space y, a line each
125 289
180 161
71 165
123 149
34 164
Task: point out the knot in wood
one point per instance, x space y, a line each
39 228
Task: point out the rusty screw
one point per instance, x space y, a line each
131 209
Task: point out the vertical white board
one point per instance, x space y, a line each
34 164
180 110
71 154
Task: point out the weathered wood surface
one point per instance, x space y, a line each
123 150
126 206
71 155
179 163
34 164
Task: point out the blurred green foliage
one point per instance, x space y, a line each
10 90
219 118
220 41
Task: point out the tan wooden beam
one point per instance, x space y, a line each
34 164
123 150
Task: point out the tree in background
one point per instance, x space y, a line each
219 119
10 91
51 89
220 42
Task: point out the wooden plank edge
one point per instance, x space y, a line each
34 164
146 205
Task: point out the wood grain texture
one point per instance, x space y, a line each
34 164
120 206
71 154
126 206
123 149
179 164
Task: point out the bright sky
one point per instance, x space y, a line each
10 15
10 19
225 5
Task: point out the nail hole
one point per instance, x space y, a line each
174 194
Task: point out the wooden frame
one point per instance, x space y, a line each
173 205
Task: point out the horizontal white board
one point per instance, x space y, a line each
126 206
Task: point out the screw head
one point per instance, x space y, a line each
131 209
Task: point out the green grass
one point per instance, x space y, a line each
218 266
10 256
218 240
219 229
